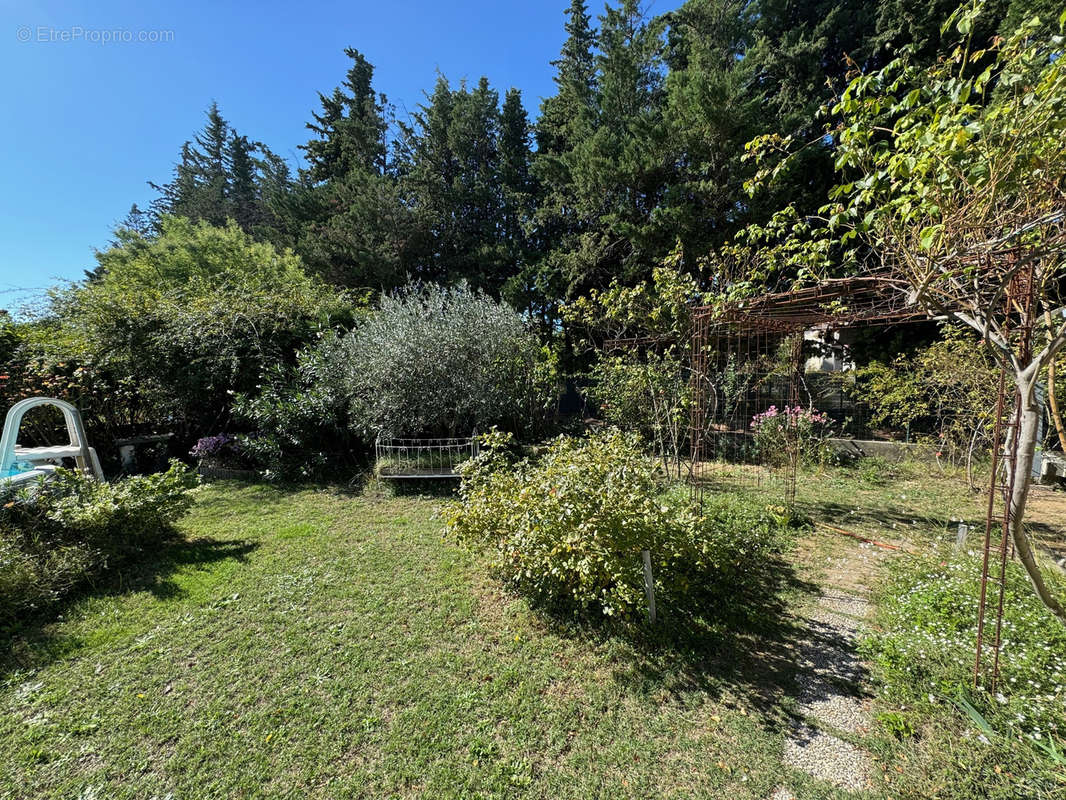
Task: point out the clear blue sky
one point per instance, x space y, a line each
87 122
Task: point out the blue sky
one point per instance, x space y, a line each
87 122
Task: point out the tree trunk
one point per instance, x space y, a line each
1053 403
1029 422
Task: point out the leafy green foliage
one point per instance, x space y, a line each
942 391
646 395
67 531
659 307
926 154
923 654
432 360
567 529
187 318
298 418
642 387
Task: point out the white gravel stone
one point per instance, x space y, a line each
828 660
824 702
826 757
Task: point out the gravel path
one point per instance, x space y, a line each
828 693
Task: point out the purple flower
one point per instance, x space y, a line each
214 445
792 416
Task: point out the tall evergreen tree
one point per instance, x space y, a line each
353 226
351 128
222 175
711 112
452 178
518 192
567 119
211 154
618 173
137 220
243 203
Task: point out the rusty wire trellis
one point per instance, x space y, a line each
748 331
748 356
665 377
1020 308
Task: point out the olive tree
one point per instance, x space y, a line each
444 361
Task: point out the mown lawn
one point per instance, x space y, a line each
316 644
312 643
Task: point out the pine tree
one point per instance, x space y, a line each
137 220
200 186
179 196
242 196
351 128
567 117
352 225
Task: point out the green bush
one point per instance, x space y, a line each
173 324
647 394
298 418
568 528
939 393
437 361
69 530
923 654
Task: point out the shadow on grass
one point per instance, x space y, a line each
415 487
31 640
884 515
740 642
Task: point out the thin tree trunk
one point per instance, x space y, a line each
1029 426
1053 403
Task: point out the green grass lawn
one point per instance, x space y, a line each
912 501
315 644
319 644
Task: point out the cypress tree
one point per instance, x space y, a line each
566 120
243 203
351 128
619 173
211 155
711 112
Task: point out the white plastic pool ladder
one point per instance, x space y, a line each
78 449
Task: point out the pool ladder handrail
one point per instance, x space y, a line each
78 449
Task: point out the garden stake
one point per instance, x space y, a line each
960 536
649 585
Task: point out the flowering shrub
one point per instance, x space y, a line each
568 528
217 446
792 435
925 649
